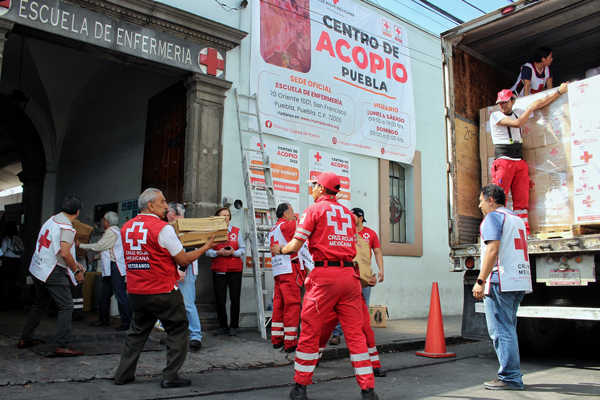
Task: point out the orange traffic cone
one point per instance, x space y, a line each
435 343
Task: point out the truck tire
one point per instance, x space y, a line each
538 336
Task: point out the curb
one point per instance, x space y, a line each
391 347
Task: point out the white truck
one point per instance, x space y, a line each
480 58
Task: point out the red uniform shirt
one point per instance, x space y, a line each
150 267
370 237
331 229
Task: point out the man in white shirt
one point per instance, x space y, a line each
510 170
113 271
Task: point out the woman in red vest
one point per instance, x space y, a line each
227 269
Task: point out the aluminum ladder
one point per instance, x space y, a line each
258 232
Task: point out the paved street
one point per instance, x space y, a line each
568 375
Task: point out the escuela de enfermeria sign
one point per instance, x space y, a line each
64 19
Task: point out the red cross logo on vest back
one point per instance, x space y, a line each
136 236
318 157
521 244
339 220
211 61
44 241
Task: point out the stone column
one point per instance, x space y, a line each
203 150
33 192
5 28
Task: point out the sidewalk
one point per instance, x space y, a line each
103 346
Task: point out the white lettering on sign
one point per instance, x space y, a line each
71 22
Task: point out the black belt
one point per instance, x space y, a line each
334 264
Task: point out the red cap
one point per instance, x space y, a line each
329 180
504 95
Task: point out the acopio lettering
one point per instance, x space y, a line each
340 165
287 154
361 58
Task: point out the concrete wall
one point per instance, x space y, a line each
407 287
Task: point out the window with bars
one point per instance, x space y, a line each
397 203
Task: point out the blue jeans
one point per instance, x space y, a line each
501 317
188 290
367 295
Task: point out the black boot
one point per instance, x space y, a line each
298 392
378 372
369 394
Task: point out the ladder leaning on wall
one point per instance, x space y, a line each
258 232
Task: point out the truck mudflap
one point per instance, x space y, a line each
474 326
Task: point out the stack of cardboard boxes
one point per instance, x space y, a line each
197 231
584 103
547 150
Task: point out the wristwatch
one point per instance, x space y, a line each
76 272
480 281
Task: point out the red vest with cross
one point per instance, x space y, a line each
513 268
150 267
231 263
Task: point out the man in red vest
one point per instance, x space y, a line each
152 253
333 284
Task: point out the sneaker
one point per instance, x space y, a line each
497 384
335 340
221 331
298 392
369 394
195 344
378 372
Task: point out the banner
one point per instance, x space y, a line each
340 165
285 171
334 74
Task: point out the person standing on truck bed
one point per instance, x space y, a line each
535 76
509 170
506 262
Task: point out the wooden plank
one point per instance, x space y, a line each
468 168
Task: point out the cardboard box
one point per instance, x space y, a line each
197 231
88 289
210 224
83 235
379 316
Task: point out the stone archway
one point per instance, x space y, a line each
33 160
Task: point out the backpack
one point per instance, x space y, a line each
17 245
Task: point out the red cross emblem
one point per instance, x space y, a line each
232 236
554 152
335 2
526 130
43 240
521 244
339 220
586 157
588 201
136 236
366 236
211 61
318 157
386 25
398 31
258 145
